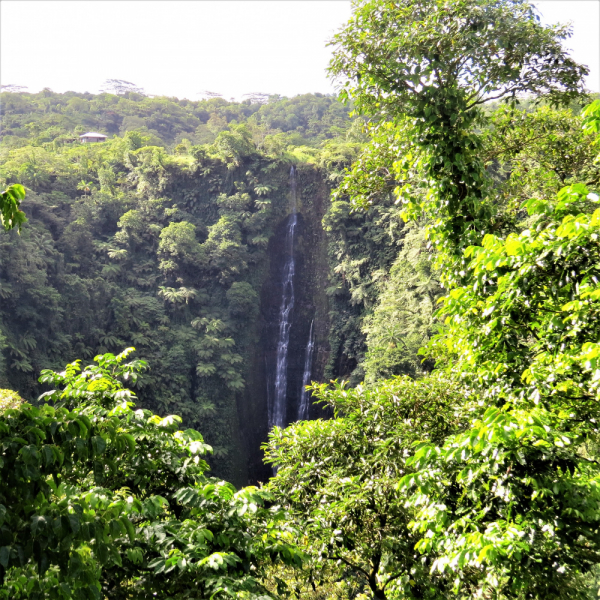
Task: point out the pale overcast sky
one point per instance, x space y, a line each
182 48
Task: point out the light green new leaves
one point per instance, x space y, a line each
506 459
531 305
591 118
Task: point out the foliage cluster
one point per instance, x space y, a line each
10 200
49 119
471 475
499 498
100 499
384 294
340 478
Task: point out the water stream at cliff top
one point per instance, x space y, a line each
277 410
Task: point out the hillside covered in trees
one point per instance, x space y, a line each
276 122
423 248
166 248
161 245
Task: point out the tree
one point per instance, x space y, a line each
339 479
234 146
85 186
10 214
243 300
99 499
508 506
516 494
534 152
429 66
178 242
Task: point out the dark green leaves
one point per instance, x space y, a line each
94 492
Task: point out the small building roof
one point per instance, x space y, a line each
92 134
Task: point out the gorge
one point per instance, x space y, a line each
215 268
227 265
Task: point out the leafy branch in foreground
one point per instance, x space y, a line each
517 496
97 498
506 506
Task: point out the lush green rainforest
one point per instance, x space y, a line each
434 253
152 241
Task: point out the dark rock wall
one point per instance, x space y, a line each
310 283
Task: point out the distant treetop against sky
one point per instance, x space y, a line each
184 48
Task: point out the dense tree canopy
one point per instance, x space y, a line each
100 499
463 267
506 505
131 243
57 119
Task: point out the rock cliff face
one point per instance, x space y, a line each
310 306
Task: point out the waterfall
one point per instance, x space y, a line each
277 415
269 398
304 404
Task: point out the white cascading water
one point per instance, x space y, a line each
277 412
304 404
